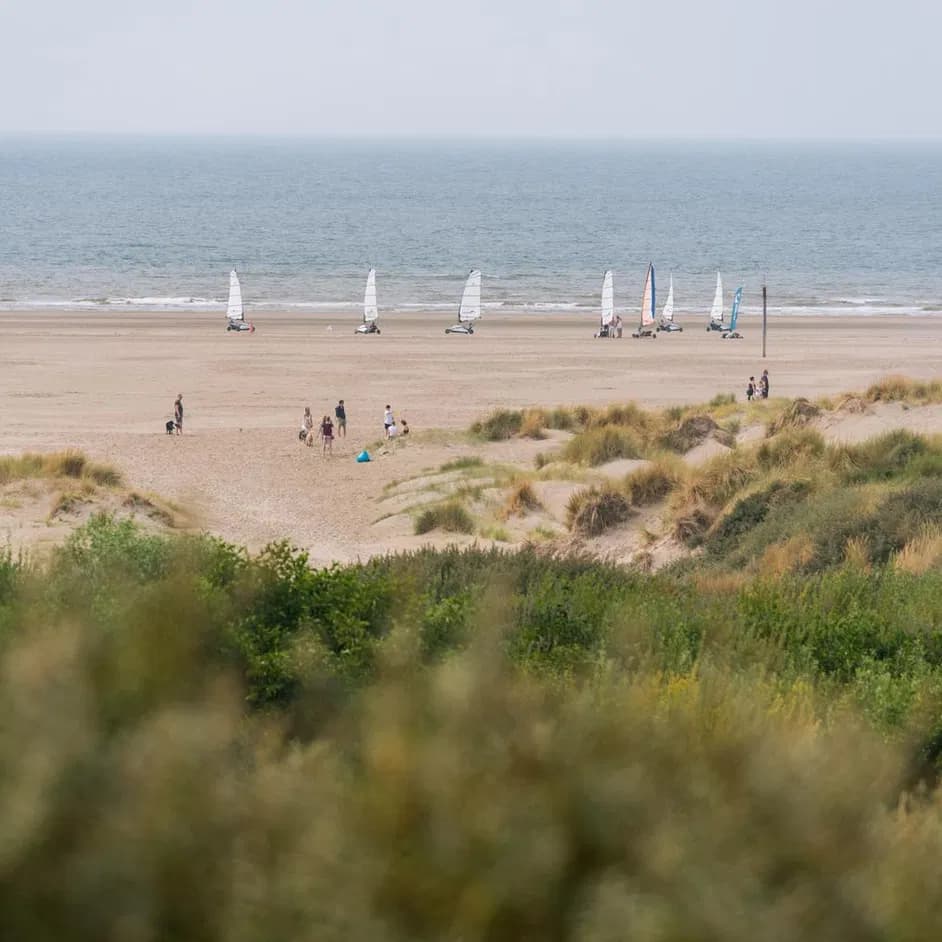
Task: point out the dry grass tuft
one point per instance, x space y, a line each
654 482
521 501
901 389
791 446
688 433
798 413
533 424
921 554
857 553
452 517
600 445
593 511
60 464
780 559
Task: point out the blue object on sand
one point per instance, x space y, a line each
363 456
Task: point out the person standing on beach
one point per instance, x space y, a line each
307 426
178 413
764 384
327 434
341 413
751 389
388 421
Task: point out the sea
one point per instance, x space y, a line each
132 223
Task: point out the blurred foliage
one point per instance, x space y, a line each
203 744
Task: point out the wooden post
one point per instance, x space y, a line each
765 317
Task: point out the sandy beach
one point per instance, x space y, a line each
105 383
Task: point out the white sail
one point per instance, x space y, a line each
716 312
647 299
370 311
470 309
667 315
608 299
235 310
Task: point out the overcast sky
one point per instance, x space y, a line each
574 68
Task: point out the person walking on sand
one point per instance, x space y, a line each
307 427
388 421
327 434
764 385
178 413
751 389
341 414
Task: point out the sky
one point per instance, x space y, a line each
486 68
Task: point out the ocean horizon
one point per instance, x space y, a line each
103 222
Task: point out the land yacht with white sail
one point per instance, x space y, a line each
235 309
469 310
646 326
370 310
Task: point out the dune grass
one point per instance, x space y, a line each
521 500
592 511
599 445
655 481
56 465
451 516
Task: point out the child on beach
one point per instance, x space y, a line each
751 389
327 434
388 421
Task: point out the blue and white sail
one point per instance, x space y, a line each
737 301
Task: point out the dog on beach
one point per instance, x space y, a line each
171 426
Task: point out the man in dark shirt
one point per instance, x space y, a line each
341 413
764 384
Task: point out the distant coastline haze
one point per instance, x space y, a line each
525 68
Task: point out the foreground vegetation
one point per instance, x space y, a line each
203 744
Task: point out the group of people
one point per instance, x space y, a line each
336 427
391 428
613 330
327 430
760 389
